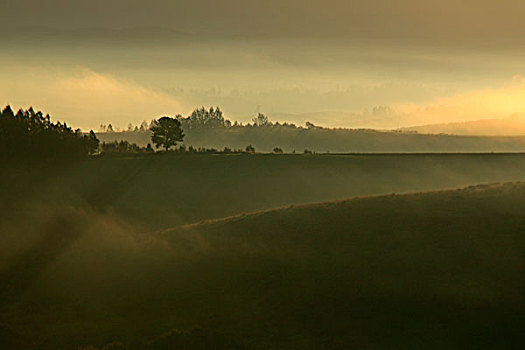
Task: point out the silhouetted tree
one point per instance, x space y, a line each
261 120
277 150
143 126
122 146
204 118
250 149
31 135
310 125
166 132
92 142
109 147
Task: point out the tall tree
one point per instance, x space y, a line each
261 120
166 132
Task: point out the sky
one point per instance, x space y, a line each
375 63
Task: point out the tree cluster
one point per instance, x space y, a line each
124 146
204 118
32 135
144 126
213 117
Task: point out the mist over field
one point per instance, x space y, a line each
159 192
131 263
270 174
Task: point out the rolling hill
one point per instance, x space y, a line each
435 270
322 140
159 191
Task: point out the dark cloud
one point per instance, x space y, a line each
427 22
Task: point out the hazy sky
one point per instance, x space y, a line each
335 62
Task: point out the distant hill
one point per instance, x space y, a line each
379 120
157 191
290 139
510 126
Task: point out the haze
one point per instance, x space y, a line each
271 174
379 64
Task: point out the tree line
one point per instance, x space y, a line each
32 135
126 147
166 132
213 117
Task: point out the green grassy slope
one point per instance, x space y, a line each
435 270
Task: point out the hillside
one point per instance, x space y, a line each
428 270
290 139
157 191
511 126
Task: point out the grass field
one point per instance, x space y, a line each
264 139
186 252
159 192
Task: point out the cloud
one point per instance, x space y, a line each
488 103
445 21
86 98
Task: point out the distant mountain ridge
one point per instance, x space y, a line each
513 125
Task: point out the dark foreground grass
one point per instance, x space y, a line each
434 270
